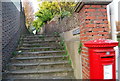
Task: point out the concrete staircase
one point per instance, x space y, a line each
39 57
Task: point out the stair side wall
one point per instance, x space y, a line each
72 45
12 18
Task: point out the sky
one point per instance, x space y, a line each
35 5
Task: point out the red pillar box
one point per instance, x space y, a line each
102 59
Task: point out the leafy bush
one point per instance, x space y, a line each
48 10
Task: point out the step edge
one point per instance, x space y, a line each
34 64
42 71
38 52
40 57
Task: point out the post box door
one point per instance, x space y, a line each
100 62
108 66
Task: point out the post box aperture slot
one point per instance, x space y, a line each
108 57
104 51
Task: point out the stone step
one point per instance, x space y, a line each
46 78
38 59
39 65
40 52
40 41
40 45
29 49
26 58
32 73
41 36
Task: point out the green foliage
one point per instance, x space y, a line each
38 0
48 10
119 41
14 53
56 34
37 23
65 13
44 15
80 48
41 36
62 43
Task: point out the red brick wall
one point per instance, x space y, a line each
93 25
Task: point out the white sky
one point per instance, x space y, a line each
35 5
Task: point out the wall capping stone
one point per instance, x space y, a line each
91 2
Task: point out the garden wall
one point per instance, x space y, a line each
67 24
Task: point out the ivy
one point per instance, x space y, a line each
80 48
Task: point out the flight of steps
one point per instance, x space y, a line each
39 57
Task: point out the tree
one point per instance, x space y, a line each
37 23
44 15
47 11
